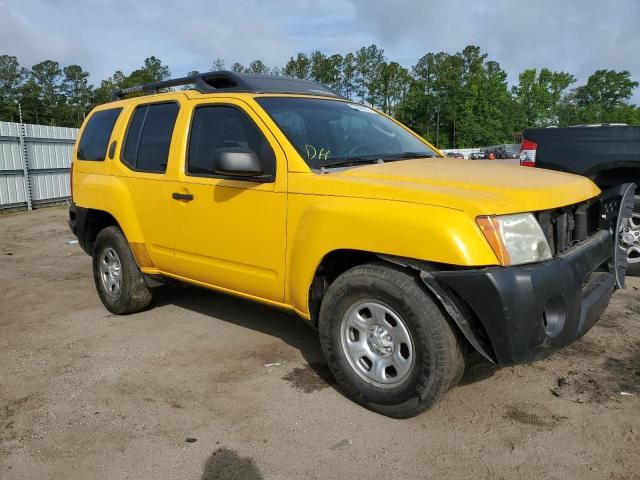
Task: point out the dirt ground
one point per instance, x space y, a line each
206 386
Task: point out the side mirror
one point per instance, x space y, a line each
235 161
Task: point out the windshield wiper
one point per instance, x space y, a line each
359 160
348 161
405 155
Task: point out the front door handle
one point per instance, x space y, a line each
187 197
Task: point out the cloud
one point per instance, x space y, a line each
578 36
22 37
108 35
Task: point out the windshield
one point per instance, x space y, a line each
326 132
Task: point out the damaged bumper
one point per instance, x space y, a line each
528 312
524 313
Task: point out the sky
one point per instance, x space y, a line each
577 36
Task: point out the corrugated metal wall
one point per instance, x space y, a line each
34 164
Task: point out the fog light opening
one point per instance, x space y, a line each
554 316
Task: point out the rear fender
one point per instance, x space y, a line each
109 194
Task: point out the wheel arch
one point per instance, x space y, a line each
617 175
94 221
90 222
332 265
339 261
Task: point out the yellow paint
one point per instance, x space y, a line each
141 255
264 241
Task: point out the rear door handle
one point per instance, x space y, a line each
187 197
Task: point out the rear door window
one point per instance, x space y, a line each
96 134
146 147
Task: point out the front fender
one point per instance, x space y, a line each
319 225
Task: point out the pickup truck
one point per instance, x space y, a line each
282 192
609 154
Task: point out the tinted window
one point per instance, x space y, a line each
217 127
95 136
149 137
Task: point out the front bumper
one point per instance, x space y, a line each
530 311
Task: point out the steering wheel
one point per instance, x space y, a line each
359 149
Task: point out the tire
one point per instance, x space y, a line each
122 289
431 363
633 268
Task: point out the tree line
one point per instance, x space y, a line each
454 100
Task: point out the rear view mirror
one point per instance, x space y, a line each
237 161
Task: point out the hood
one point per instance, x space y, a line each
475 186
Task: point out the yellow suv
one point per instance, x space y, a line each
280 191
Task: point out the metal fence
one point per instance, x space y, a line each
34 164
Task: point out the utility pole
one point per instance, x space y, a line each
454 132
438 127
25 163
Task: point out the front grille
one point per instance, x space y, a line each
567 226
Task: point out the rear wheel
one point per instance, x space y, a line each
630 240
386 341
119 282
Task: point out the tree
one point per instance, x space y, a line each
326 70
151 71
392 87
453 99
603 99
11 78
419 107
607 88
257 66
541 95
434 105
487 112
31 102
218 64
78 94
368 67
45 85
299 67
103 93
458 100
347 79
154 69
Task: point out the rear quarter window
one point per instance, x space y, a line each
96 134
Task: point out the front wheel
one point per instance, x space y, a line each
119 282
386 341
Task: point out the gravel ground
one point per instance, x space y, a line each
206 386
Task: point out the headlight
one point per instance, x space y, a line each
515 239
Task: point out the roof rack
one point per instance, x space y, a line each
226 81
